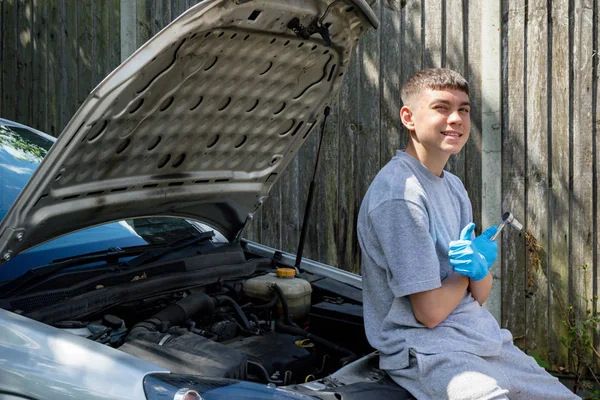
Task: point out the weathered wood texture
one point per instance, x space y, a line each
536 183
472 152
582 150
53 52
513 173
549 178
558 229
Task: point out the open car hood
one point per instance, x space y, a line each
198 123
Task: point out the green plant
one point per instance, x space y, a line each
581 325
540 360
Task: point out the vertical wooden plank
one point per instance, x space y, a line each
412 39
115 34
178 7
472 151
101 40
359 141
490 154
9 67
54 66
349 125
85 29
155 10
292 197
326 198
537 175
434 33
98 9
368 143
559 200
128 27
24 62
161 15
596 179
306 165
40 65
455 35
390 84
455 60
271 218
143 22
581 233
69 69
513 170
411 50
252 231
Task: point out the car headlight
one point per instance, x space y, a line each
191 387
187 394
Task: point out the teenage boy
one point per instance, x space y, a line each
425 276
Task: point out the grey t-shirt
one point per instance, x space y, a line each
406 222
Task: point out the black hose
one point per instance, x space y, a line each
247 331
287 326
201 332
232 289
239 326
255 319
236 307
175 314
268 305
284 306
265 372
294 330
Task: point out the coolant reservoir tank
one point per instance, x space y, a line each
296 290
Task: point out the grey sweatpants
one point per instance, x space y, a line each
459 375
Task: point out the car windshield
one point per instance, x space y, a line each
21 152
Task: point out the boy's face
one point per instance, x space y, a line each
439 121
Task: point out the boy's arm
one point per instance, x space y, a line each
473 258
433 306
480 290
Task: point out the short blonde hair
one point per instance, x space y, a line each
434 79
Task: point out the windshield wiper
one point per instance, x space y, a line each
153 255
109 257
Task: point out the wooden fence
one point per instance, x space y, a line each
53 52
550 166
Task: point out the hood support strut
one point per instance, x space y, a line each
310 194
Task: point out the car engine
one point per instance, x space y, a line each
227 330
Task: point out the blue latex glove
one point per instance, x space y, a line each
473 258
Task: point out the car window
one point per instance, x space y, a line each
157 230
21 151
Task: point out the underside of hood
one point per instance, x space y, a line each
198 123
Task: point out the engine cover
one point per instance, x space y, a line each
278 353
182 352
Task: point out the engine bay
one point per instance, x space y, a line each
235 312
275 326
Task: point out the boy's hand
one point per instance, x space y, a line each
473 258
